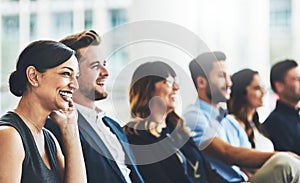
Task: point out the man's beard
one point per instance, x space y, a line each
292 98
215 95
100 96
94 95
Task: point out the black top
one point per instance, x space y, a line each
283 128
165 159
34 169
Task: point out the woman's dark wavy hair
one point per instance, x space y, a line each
238 103
43 55
141 92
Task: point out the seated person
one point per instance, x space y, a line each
45 79
246 96
105 148
283 124
159 139
223 142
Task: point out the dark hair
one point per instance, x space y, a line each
43 55
238 103
279 70
141 92
142 86
81 40
203 64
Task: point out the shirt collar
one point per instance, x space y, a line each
222 114
215 113
89 113
287 108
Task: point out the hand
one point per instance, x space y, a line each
63 118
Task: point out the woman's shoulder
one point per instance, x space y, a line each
11 141
8 118
9 126
129 129
12 134
12 153
137 132
134 127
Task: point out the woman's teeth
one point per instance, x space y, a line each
66 95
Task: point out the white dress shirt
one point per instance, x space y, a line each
262 143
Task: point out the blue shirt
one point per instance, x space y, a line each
208 122
283 128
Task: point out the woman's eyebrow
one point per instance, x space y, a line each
66 67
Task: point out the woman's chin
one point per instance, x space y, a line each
170 109
64 106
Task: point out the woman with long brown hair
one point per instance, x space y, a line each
158 136
246 96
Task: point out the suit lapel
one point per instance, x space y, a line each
122 139
91 136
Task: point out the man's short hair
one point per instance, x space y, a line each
279 71
203 64
81 40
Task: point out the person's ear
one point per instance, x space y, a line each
32 76
279 86
201 82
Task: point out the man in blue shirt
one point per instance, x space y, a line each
283 124
223 142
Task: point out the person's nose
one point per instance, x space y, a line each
263 91
103 71
175 86
228 81
74 83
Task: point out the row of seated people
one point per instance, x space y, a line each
65 79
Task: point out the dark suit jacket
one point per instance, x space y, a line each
99 164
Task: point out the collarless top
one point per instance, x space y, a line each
34 169
283 127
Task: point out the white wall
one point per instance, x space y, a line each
240 28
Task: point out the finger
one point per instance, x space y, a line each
56 114
71 103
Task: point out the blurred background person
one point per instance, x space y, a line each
220 137
283 124
158 136
246 96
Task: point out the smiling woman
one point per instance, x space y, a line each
159 138
246 96
62 80
45 79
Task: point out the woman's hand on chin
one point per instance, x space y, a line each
65 117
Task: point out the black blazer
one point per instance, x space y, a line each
101 168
